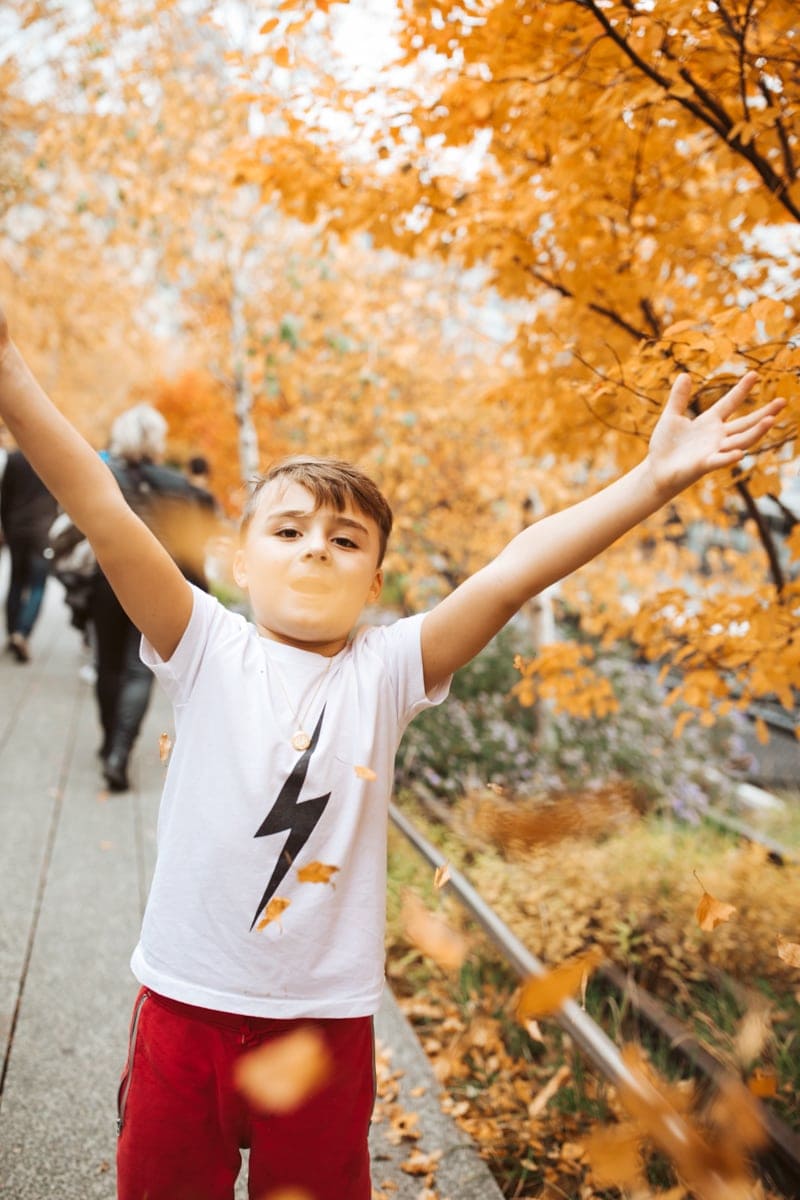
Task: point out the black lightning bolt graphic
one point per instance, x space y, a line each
298 819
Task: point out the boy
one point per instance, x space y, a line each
266 793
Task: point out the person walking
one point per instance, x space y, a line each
169 505
27 511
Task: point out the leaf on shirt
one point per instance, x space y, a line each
280 1076
164 746
273 912
432 935
316 872
365 773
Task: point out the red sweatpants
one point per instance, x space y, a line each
182 1122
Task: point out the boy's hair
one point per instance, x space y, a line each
332 482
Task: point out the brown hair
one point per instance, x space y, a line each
331 482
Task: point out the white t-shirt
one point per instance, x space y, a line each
243 813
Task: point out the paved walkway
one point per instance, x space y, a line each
74 869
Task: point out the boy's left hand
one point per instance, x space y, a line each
683 447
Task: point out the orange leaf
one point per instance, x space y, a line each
762 732
441 875
763 1083
316 872
614 1153
273 912
430 934
281 1075
269 25
789 951
164 746
365 773
711 912
544 995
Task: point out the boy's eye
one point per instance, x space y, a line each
287 533
341 540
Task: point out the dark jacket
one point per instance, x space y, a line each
181 515
27 510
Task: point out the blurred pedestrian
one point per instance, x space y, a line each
169 504
27 511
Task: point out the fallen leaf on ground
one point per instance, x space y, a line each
421 1164
540 1101
763 1083
273 912
789 952
542 995
281 1075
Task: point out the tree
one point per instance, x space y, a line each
637 184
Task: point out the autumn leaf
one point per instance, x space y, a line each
316 872
763 1084
614 1154
280 1076
441 875
712 912
365 773
269 25
164 746
273 912
432 935
543 995
789 952
421 1164
542 1098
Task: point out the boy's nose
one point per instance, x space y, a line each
315 548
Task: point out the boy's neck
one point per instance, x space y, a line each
327 649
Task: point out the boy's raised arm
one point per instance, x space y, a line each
147 582
682 449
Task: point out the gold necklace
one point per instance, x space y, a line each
300 739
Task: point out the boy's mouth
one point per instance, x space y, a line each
311 585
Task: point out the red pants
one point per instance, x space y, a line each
182 1122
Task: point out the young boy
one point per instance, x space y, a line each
267 792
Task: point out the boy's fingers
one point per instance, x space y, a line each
766 412
732 399
680 394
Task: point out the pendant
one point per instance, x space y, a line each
301 740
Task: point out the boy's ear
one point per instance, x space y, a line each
239 570
376 587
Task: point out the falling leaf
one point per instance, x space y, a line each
763 1083
316 872
789 951
441 875
533 1031
164 746
269 25
751 1035
545 994
432 935
365 773
273 912
279 1076
614 1153
710 911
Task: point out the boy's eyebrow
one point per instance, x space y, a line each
296 514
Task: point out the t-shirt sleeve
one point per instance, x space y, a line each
178 674
399 645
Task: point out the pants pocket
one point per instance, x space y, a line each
127 1073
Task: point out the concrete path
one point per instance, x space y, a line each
74 869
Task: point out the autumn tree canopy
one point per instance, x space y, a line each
623 174
629 170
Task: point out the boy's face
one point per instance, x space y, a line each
308 571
